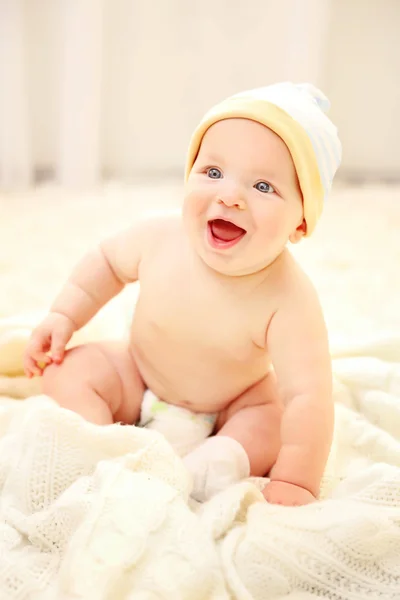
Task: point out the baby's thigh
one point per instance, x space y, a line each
130 383
264 392
254 420
108 369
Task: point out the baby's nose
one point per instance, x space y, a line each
232 199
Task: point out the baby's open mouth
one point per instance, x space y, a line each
225 233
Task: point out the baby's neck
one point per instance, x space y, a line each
247 282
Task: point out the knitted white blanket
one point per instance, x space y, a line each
102 513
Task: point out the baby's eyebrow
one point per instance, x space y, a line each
262 173
211 158
272 174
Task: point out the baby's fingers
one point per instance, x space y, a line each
31 367
38 352
58 343
35 358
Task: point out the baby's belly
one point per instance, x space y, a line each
194 376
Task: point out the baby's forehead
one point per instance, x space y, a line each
245 139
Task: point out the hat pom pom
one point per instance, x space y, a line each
316 95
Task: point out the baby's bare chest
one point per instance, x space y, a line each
186 308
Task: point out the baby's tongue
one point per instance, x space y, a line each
225 231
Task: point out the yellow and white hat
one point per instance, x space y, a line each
295 112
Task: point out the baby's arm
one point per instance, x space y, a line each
298 345
100 275
97 278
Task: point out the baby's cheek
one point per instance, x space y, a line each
196 203
272 222
270 227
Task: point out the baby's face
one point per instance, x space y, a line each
242 202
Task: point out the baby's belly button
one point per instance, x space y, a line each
195 407
169 384
180 395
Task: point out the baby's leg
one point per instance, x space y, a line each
254 420
100 381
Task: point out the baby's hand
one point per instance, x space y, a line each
52 335
288 494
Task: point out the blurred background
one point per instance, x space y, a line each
98 99
99 89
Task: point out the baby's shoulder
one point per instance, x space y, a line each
294 286
160 223
158 229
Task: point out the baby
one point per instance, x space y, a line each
228 332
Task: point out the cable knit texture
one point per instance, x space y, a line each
104 512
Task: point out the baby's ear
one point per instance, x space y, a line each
299 233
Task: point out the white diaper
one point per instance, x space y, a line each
183 428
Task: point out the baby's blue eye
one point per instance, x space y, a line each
263 186
214 173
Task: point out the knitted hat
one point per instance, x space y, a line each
297 114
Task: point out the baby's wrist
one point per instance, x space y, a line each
55 312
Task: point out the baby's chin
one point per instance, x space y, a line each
235 265
245 259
